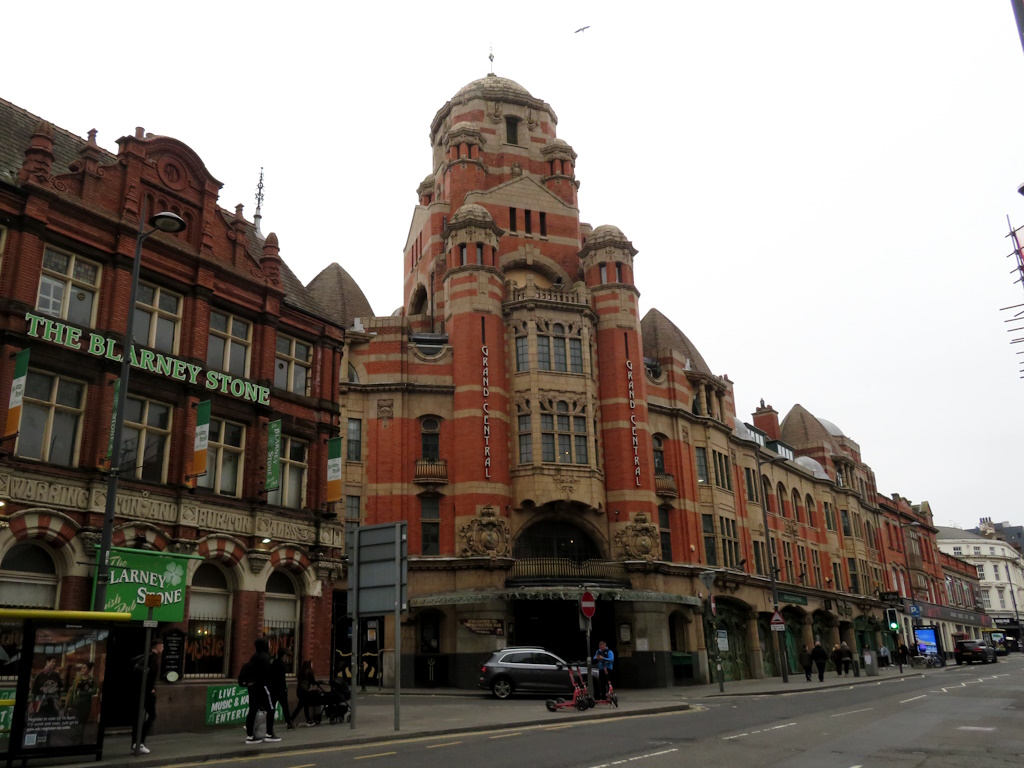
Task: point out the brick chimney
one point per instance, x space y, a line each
766 419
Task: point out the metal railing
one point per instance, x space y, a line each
431 471
560 569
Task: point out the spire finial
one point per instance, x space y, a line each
259 202
491 57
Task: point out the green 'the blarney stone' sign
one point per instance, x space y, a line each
134 573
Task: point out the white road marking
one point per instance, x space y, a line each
854 712
762 730
973 728
638 757
922 696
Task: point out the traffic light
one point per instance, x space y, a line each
892 620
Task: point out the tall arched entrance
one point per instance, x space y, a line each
543 616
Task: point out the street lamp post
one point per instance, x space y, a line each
770 554
161 222
910 581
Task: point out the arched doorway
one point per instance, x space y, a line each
558 539
281 615
732 618
209 623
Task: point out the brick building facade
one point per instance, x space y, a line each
537 435
219 317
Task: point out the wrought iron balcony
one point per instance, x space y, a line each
559 570
665 485
431 472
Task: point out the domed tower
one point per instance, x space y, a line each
607 261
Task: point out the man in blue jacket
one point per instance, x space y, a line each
604 660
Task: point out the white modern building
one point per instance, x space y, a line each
1000 574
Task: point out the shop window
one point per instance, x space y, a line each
291 365
157 321
292 489
209 623
51 419
281 616
68 287
28 579
224 458
147 434
228 344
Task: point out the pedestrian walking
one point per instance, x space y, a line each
805 661
837 659
257 678
149 700
305 692
820 657
279 676
605 661
904 653
883 656
847 656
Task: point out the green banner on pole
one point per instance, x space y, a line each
113 418
134 573
273 456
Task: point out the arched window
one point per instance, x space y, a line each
796 505
281 615
766 492
28 578
209 621
659 455
780 493
353 376
430 437
555 539
810 511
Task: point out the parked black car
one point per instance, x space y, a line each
974 650
528 670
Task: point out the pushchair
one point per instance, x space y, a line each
330 700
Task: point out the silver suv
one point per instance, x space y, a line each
528 670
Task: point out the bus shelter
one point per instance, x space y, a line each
59 661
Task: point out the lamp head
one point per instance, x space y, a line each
166 221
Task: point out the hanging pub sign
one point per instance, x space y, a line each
135 573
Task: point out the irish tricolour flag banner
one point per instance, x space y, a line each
202 439
334 469
17 393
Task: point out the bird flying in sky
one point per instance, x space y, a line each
583 28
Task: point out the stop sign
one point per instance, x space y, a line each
588 604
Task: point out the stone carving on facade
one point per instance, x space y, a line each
494 113
567 483
531 120
638 540
184 546
517 170
385 411
791 528
486 534
257 560
89 539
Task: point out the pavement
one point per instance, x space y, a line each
436 712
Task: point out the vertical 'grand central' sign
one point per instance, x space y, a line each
487 414
632 421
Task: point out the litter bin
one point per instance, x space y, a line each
870 663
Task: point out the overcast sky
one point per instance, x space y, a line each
818 190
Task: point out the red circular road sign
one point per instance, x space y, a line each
588 604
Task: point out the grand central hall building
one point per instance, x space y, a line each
537 433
